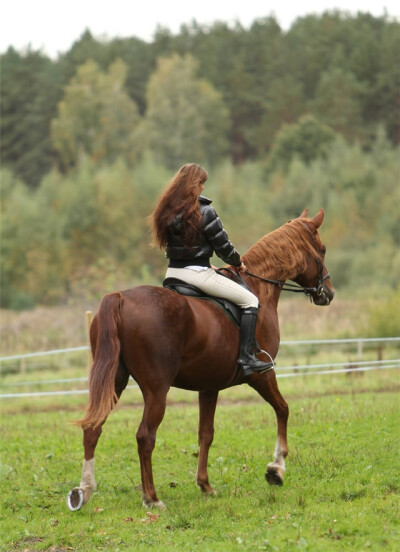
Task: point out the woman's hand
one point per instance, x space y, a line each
242 267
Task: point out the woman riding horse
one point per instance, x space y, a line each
188 227
166 340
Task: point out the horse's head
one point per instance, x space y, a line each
315 276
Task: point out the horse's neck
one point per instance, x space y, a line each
278 256
274 257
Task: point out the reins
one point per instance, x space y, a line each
284 286
293 287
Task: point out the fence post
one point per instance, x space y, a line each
360 350
89 317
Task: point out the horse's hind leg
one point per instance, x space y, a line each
267 387
153 414
80 495
207 405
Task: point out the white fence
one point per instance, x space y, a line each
282 371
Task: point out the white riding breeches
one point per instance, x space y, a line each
216 285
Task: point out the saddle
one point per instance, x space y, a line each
233 312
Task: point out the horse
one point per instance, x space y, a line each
164 339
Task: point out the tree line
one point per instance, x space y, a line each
230 88
85 233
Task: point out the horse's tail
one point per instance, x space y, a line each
102 395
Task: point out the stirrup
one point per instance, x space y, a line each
259 351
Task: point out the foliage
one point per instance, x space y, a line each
342 69
80 232
96 118
283 106
31 86
337 103
307 139
31 257
86 232
384 319
186 118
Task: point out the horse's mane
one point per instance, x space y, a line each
282 253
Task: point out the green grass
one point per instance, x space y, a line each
341 490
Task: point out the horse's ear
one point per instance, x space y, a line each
318 219
304 214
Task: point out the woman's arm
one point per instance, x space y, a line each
218 238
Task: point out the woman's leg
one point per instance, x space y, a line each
216 285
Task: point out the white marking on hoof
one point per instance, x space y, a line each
157 504
75 499
87 480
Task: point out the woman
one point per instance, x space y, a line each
187 226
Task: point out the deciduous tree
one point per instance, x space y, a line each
186 118
96 118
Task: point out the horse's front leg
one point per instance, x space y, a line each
266 385
207 405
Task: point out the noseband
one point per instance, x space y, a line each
321 279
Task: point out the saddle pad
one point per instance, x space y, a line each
230 309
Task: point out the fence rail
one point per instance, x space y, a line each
44 353
296 370
296 342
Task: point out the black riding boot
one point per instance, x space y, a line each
247 359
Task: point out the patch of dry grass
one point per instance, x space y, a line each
45 328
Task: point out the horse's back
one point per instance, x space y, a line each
153 305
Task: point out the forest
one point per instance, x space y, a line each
281 120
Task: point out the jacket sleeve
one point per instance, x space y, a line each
218 238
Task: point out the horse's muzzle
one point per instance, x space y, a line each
323 296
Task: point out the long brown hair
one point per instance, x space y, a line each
180 198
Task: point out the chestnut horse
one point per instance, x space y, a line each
163 339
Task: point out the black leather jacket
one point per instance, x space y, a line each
213 238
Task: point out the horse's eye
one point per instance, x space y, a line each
323 250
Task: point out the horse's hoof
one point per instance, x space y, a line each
207 489
154 504
75 499
273 477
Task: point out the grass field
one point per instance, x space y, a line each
341 490
342 487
